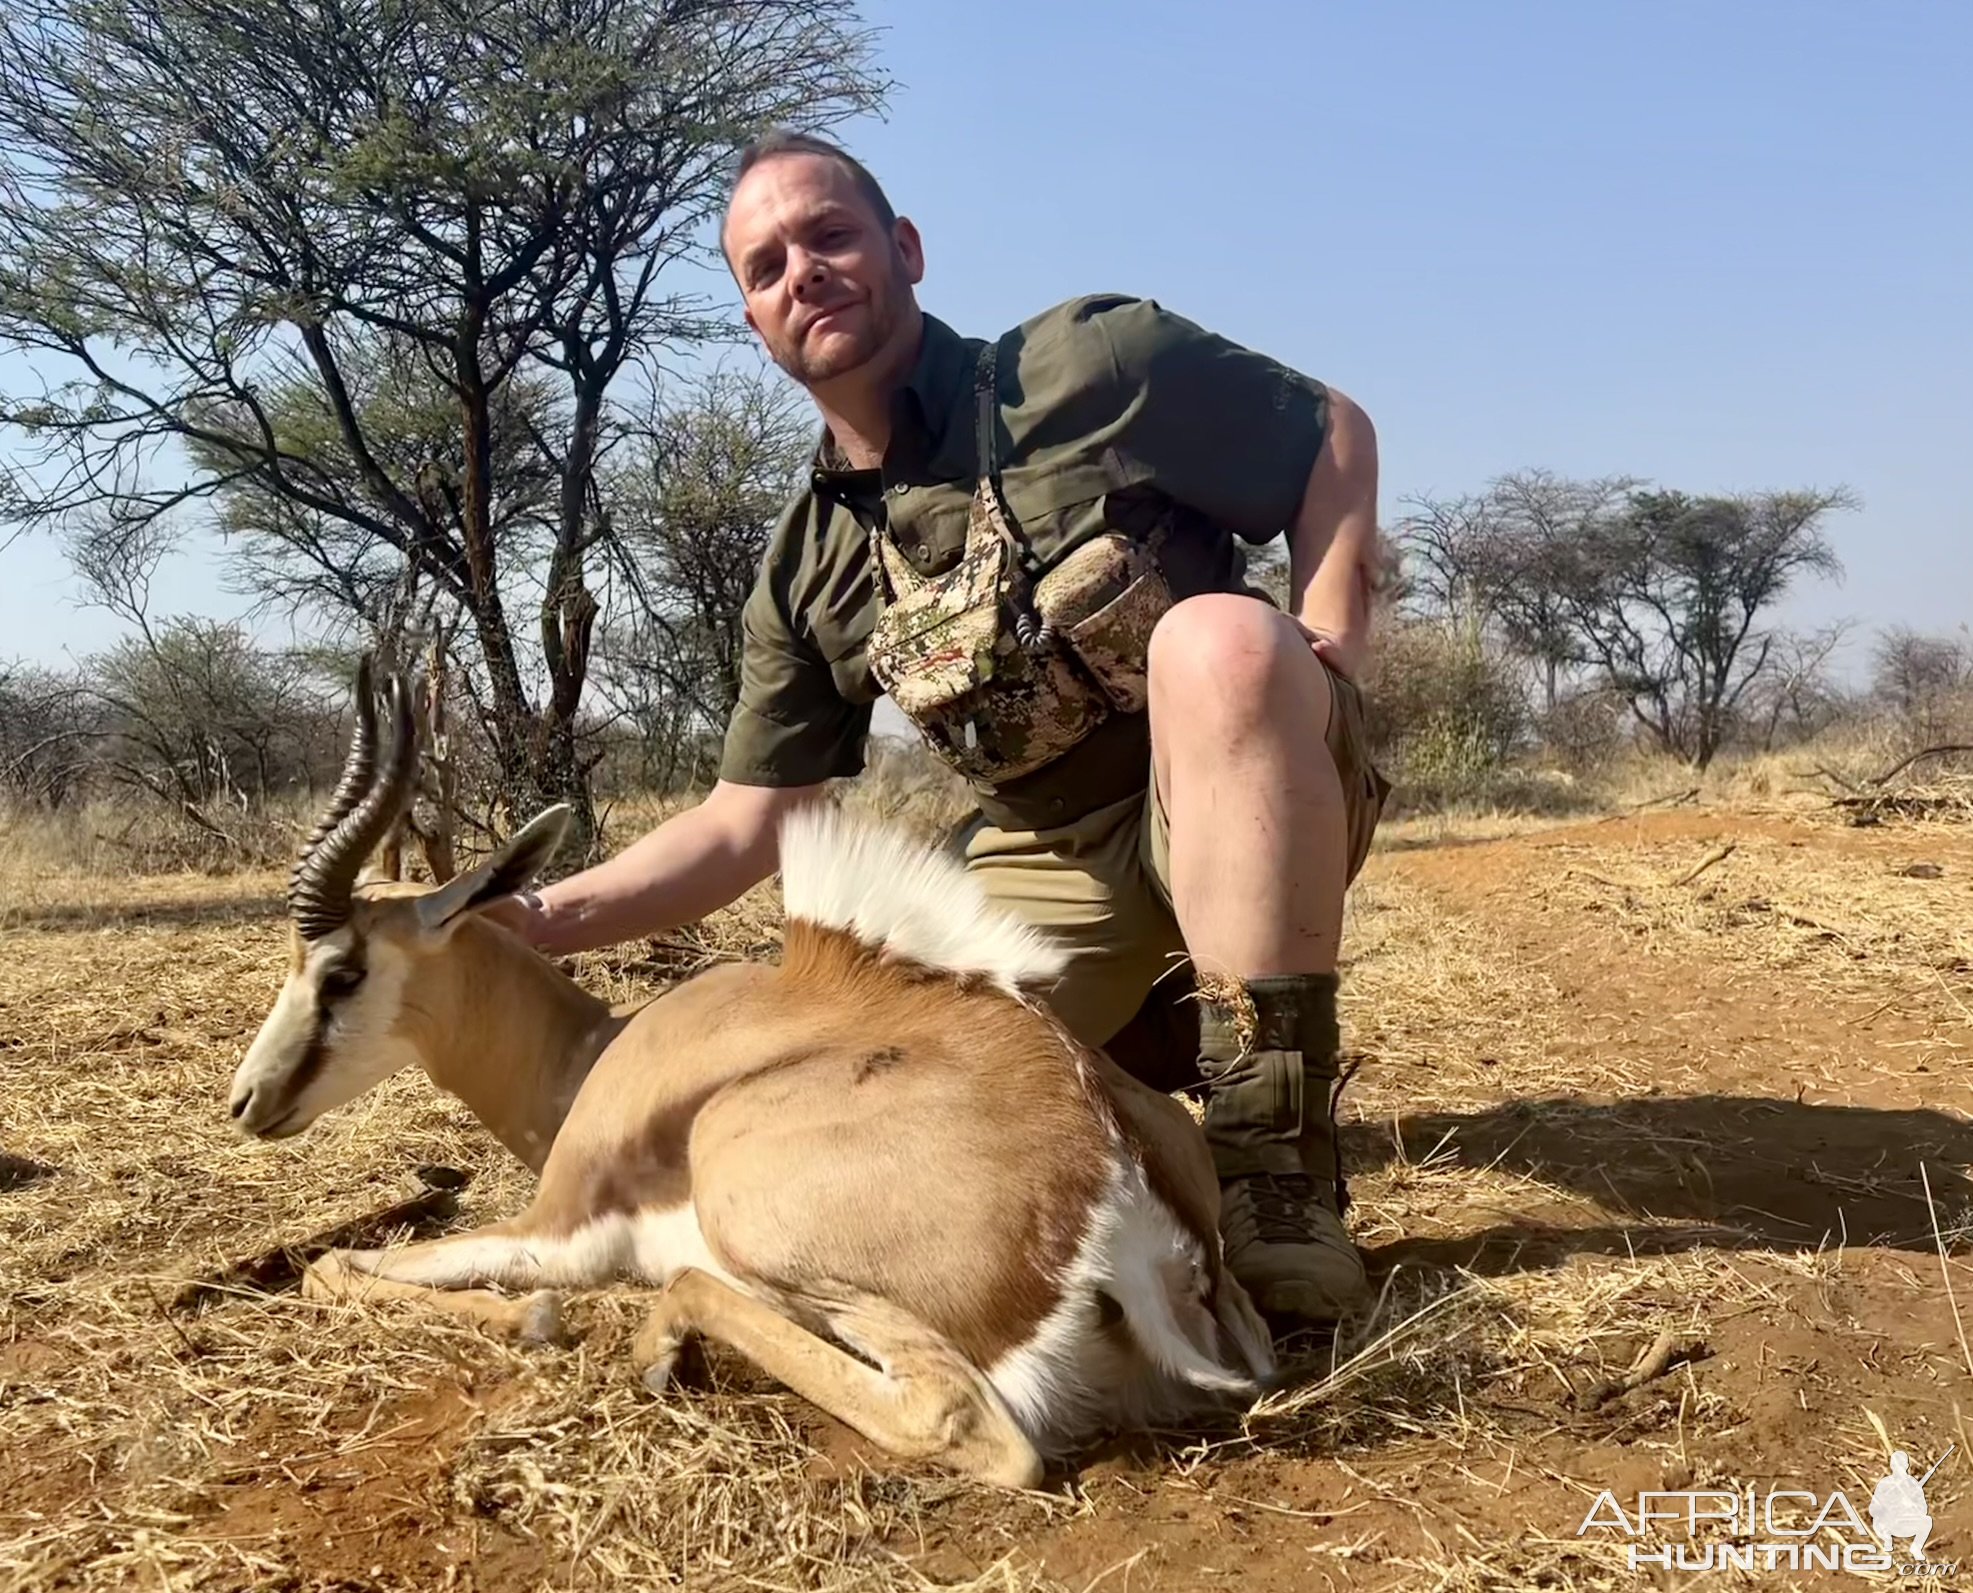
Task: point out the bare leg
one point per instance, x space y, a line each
440 1274
1240 719
1240 712
1259 845
920 1411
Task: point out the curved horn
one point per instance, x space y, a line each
325 877
359 770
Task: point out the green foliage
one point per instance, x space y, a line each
1446 709
328 565
700 488
375 275
1663 598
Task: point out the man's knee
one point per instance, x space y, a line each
1225 661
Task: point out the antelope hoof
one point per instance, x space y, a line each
655 1353
541 1318
327 1278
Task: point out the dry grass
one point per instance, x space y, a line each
106 838
1449 1439
1884 920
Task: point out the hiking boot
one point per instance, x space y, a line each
1266 1046
1290 1252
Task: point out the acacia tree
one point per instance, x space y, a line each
1670 598
214 214
48 731
328 566
1926 681
1534 530
1795 697
1664 598
1444 543
1504 558
705 479
363 594
190 710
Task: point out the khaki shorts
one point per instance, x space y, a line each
1103 883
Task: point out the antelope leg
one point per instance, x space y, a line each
922 1409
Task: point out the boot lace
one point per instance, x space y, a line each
1281 1202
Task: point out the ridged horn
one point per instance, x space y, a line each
320 889
359 770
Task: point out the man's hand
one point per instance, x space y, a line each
521 915
696 862
1332 546
1332 650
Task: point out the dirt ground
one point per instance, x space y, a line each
1692 1081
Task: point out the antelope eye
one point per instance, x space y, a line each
340 982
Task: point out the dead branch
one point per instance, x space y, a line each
1597 879
1676 799
1719 856
1903 764
1865 810
1663 1354
201 821
282 1266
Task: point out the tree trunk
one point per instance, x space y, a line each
439 842
521 793
568 622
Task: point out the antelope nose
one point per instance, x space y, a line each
242 1099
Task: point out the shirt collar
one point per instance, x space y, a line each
941 376
923 412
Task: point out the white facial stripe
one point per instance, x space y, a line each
357 1049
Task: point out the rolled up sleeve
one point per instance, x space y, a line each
1227 431
791 727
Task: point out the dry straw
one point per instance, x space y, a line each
268 1442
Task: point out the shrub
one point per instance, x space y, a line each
1446 711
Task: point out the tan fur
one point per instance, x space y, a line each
506 1033
957 1103
537 1317
928 1403
759 1111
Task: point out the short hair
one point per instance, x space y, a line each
787 141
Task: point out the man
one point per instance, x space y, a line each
1031 544
1897 1507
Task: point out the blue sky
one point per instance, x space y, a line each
1722 245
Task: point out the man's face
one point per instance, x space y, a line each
827 287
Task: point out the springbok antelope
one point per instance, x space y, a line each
883 1141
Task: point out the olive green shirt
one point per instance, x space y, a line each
1113 413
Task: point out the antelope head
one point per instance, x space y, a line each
357 953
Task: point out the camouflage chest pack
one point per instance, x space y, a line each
1000 672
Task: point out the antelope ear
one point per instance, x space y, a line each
507 871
